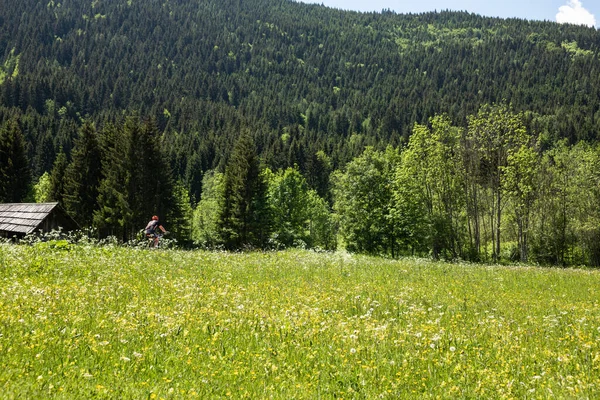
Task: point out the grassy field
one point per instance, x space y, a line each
92 322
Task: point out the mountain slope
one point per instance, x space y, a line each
301 77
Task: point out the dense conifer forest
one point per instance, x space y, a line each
212 112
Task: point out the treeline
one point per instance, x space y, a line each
111 180
489 191
118 176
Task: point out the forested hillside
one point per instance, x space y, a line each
302 77
146 99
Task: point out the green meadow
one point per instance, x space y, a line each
79 321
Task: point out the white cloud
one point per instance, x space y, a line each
574 13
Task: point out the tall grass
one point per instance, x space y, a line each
108 322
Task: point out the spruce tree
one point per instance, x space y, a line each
244 220
150 187
157 177
82 177
14 168
57 178
135 189
113 212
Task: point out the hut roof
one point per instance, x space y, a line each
24 218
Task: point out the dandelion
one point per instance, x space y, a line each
352 350
452 349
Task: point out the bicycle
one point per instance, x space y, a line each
154 241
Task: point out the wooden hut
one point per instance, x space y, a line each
20 219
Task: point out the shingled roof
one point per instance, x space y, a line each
24 218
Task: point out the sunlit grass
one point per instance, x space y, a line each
83 322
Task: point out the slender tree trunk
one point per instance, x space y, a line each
526 236
520 236
498 216
476 222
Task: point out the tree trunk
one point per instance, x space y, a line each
498 215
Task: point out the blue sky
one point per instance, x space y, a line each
584 12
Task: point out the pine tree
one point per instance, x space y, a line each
57 178
14 168
113 212
150 187
136 181
181 214
244 220
82 177
157 179
135 189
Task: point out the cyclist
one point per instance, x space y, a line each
151 228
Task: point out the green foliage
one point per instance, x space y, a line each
493 135
57 178
82 177
362 202
42 188
300 217
316 87
519 184
151 182
182 214
574 50
10 69
288 200
322 229
114 213
137 182
429 190
245 217
205 225
566 224
14 167
318 170
312 75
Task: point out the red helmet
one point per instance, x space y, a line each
155 217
